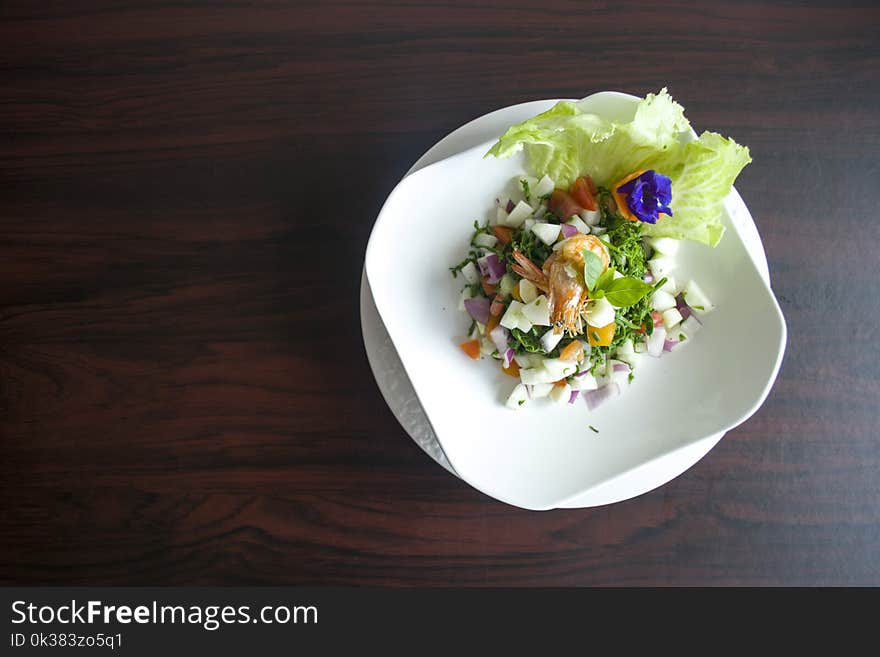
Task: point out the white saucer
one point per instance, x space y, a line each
400 396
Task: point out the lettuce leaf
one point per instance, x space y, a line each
565 142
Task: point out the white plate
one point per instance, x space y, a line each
537 469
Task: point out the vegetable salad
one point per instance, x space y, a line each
574 278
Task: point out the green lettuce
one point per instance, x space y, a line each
565 142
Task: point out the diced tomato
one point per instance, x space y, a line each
512 369
488 288
497 306
600 336
573 352
560 383
580 191
563 205
591 186
471 348
503 233
658 318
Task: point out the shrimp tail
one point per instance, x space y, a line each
530 271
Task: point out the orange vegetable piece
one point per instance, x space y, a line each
573 352
488 288
492 323
471 348
620 199
560 383
600 336
515 292
503 233
512 369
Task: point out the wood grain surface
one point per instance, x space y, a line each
186 193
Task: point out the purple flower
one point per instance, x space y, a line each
648 195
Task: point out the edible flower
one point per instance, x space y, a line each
646 194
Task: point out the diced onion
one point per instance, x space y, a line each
596 398
478 309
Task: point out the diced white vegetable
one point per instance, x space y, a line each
527 291
561 242
519 214
655 341
550 339
540 390
633 358
517 398
616 275
662 301
690 326
527 361
544 186
528 223
696 298
561 394
532 375
486 240
661 266
598 230
538 311
671 318
669 285
465 294
640 347
625 349
540 211
512 315
506 283
590 217
487 347
665 245
470 273
500 217
583 382
558 369
578 223
547 233
600 313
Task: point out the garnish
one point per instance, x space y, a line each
647 195
593 429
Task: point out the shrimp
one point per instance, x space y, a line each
561 278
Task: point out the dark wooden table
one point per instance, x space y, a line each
186 193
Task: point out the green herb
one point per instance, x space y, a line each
593 429
592 268
525 187
521 402
682 337
626 291
595 336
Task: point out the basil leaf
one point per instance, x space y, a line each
592 268
626 291
605 279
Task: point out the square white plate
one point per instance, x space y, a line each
544 454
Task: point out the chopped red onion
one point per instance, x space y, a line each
669 345
508 358
510 205
580 374
478 309
682 306
573 396
492 268
596 398
648 277
498 336
621 367
568 230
